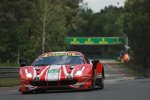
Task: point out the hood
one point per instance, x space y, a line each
57 72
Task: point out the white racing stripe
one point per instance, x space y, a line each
60 75
26 71
53 73
34 72
72 72
65 70
42 72
82 68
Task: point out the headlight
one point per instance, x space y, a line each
78 73
29 75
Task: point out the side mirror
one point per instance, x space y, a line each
23 63
95 62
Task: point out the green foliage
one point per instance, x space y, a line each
136 25
23 22
49 19
107 22
13 28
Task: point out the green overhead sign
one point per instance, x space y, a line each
96 40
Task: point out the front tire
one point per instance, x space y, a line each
99 83
93 80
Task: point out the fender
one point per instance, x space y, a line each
98 67
27 69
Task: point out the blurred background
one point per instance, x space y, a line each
31 27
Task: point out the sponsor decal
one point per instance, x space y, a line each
53 71
57 54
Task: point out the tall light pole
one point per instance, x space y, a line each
44 26
127 43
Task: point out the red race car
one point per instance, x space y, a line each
56 70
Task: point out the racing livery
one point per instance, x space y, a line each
61 70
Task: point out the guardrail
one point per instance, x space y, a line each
9 72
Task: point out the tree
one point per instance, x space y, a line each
136 25
107 22
14 16
30 27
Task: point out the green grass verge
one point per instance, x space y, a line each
128 69
9 64
133 69
8 82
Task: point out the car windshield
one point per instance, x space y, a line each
58 60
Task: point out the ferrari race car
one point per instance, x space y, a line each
56 70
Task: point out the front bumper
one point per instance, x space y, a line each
52 85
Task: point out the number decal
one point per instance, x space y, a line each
53 71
